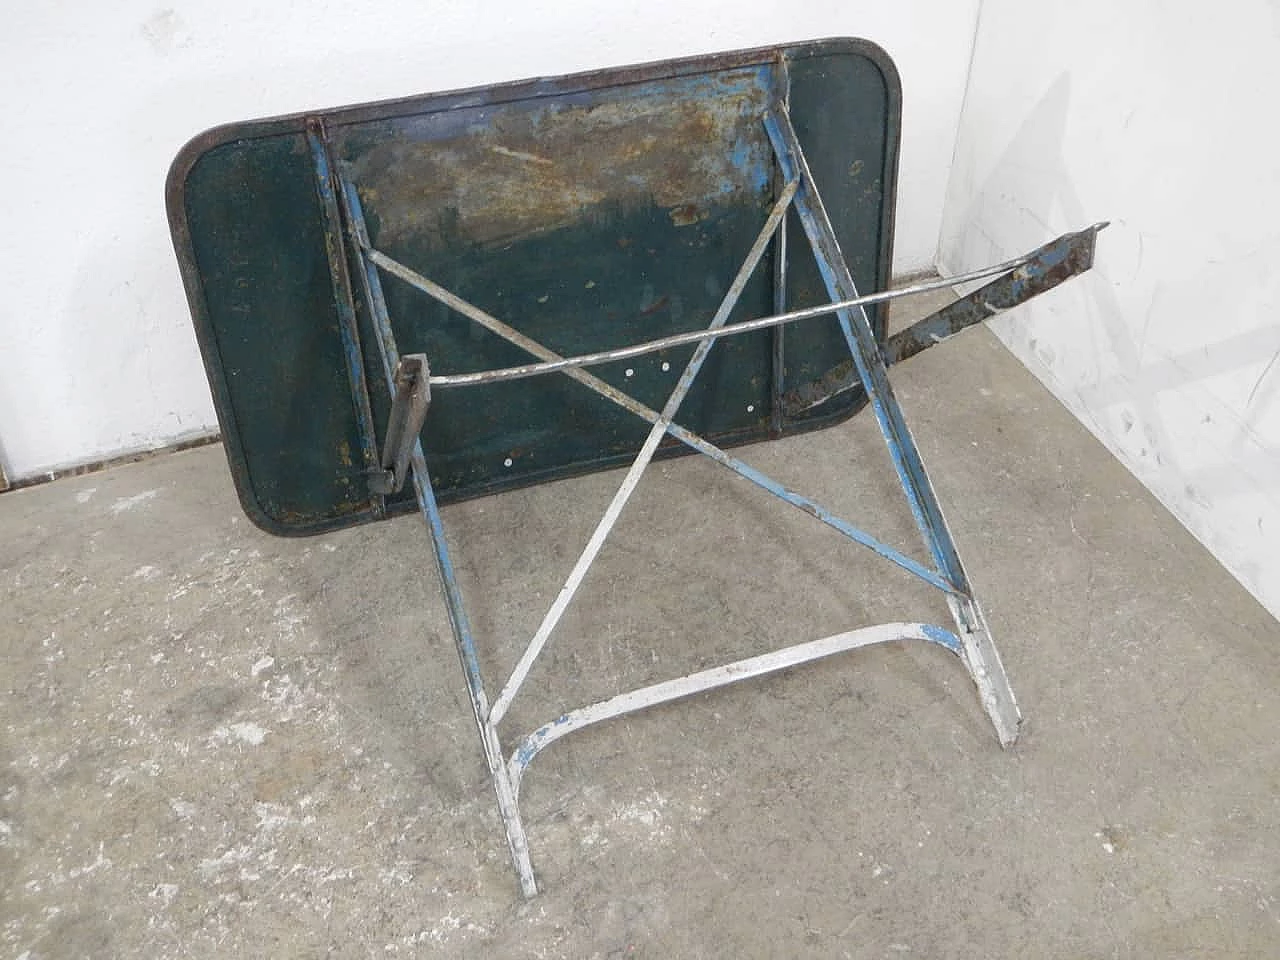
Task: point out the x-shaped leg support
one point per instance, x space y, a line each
971 640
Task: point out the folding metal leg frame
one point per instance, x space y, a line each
409 383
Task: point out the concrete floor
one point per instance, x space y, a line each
220 744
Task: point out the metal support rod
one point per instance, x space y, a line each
691 336
720 676
340 277
372 285
777 381
647 450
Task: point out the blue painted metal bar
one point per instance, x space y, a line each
335 250
811 507
464 641
390 354
374 298
856 328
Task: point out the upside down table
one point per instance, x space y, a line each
412 302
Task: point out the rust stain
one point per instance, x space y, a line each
654 307
686 214
495 175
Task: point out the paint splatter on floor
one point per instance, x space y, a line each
124 504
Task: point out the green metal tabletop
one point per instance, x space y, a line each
588 211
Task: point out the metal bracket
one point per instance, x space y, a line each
409 405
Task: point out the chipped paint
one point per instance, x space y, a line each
124 504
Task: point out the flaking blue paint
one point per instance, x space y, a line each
943 638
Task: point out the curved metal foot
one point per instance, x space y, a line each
721 676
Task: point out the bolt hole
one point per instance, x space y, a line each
507 462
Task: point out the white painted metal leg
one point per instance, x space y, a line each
983 663
509 810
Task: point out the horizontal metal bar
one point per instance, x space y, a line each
693 336
1050 265
720 676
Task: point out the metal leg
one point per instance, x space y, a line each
508 805
980 653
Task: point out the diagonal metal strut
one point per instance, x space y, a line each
643 458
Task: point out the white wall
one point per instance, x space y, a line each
96 353
1161 117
